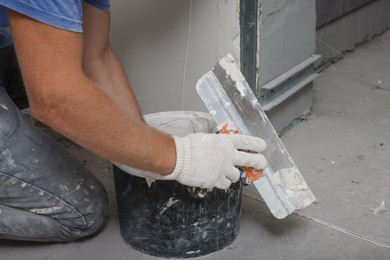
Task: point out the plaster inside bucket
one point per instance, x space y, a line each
182 123
165 220
179 123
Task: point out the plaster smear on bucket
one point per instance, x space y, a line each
168 204
294 187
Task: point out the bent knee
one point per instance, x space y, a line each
87 222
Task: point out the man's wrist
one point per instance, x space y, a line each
168 159
183 154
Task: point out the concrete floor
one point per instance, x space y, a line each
343 151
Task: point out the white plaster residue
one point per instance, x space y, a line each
149 180
4 106
9 159
75 201
200 193
294 187
378 211
181 123
193 252
254 102
234 72
44 211
168 204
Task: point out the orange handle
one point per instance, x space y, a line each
250 172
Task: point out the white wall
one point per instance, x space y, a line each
166 46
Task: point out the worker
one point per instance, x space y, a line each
76 85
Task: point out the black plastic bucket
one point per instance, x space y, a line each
166 220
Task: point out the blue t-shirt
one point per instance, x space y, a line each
5 32
58 13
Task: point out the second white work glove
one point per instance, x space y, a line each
209 160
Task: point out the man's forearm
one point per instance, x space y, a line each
107 72
63 97
92 119
101 64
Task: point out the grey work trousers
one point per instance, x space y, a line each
46 195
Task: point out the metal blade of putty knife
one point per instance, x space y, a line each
230 100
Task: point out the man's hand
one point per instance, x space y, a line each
209 160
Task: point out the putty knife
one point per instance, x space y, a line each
234 107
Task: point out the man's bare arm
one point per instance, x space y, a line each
101 64
62 96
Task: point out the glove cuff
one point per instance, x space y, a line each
183 157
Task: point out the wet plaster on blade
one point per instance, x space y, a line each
229 65
277 197
233 71
296 189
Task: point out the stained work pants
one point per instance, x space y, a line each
45 194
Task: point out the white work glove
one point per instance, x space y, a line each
209 160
